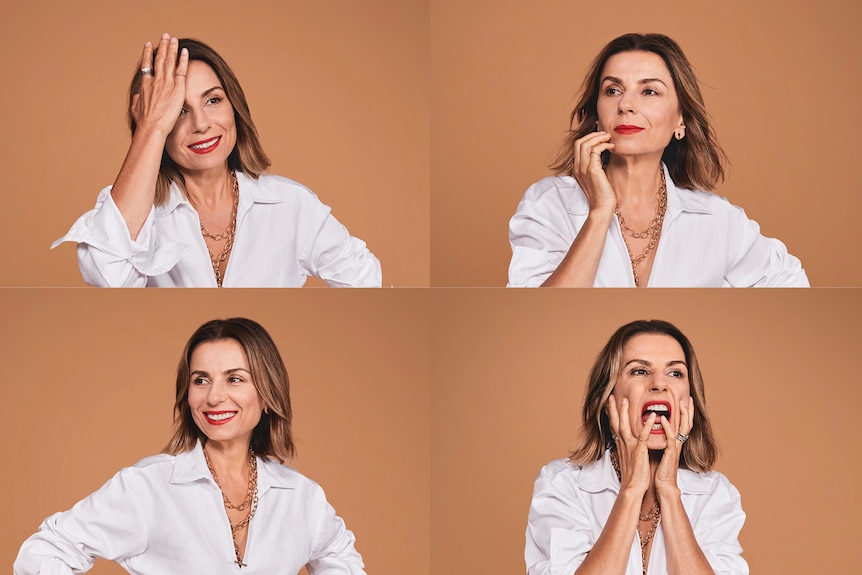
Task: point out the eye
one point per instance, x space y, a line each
214 100
650 92
200 381
184 111
235 379
638 371
611 91
677 373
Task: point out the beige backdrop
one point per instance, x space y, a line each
338 90
781 80
782 386
88 384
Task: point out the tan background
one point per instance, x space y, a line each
782 385
781 81
88 380
338 90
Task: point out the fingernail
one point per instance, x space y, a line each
165 36
148 44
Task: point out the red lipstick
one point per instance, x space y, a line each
659 408
219 417
626 129
205 146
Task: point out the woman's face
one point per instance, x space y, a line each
205 133
637 104
654 377
222 397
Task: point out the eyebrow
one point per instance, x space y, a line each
226 372
616 80
649 364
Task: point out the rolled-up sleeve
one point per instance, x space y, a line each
107 255
559 534
761 261
333 551
107 524
332 254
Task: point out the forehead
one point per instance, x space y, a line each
654 347
200 76
635 66
218 354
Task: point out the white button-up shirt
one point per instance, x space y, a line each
283 234
166 515
705 242
571 505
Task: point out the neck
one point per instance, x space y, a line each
210 188
635 179
228 458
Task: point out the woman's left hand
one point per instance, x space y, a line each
665 475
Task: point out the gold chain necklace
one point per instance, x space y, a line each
654 515
250 500
652 232
228 234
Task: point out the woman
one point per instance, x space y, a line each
218 499
191 206
628 206
638 495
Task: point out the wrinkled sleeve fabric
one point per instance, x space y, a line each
717 528
107 524
559 534
333 551
332 254
761 261
109 257
539 234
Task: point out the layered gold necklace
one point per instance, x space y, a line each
228 234
652 232
653 515
250 501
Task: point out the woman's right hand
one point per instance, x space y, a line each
632 453
162 95
588 171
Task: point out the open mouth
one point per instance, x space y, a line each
219 417
659 408
205 146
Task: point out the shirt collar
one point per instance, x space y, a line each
677 202
191 466
250 192
601 476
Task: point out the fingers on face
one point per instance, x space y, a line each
162 55
643 436
588 150
613 415
183 66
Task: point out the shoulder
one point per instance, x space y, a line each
562 473
284 476
557 192
709 483
709 202
267 185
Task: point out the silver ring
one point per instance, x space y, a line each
615 438
682 437
146 71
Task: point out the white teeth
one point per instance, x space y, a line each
205 145
220 416
657 407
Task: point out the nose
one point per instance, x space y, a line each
658 384
625 103
216 394
200 121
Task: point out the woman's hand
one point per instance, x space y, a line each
632 453
665 475
588 172
158 104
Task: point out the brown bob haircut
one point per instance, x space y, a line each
698 453
696 161
247 156
272 436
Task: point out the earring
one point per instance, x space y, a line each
679 135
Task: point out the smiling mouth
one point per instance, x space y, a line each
659 408
205 146
220 417
627 129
